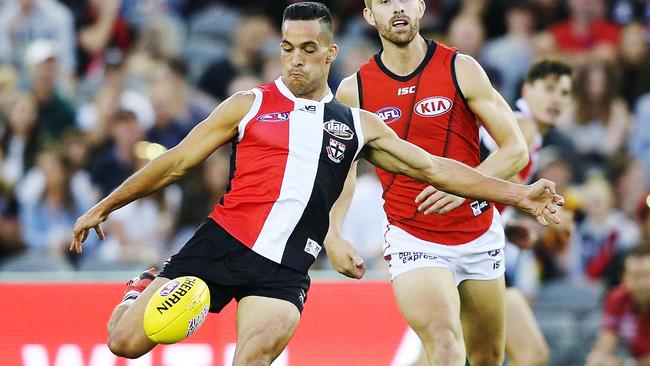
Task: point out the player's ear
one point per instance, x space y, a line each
422 8
369 16
332 52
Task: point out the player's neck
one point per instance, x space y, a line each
404 60
316 94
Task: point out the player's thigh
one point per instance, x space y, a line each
428 299
483 313
130 327
525 343
264 327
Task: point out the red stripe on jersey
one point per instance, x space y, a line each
260 155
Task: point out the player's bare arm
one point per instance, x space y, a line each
495 115
340 252
386 150
213 132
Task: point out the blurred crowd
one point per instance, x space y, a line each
90 90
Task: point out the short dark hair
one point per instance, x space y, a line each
309 10
546 67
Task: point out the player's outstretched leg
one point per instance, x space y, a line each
483 318
428 299
126 337
264 327
525 343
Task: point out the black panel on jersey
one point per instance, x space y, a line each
359 89
330 177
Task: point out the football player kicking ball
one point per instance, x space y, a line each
294 147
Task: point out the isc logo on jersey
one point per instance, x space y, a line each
389 114
433 106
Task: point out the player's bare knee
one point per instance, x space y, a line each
125 347
125 344
488 356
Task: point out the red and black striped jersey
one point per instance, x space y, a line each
289 163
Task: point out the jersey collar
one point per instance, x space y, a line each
287 93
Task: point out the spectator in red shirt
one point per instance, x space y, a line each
626 315
586 29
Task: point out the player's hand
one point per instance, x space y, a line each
344 258
439 202
89 220
541 201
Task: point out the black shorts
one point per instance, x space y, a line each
233 271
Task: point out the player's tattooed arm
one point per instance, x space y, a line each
386 150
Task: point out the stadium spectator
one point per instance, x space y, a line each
244 58
586 30
107 92
23 21
55 112
512 53
99 26
601 121
20 143
48 217
467 34
626 315
118 160
602 234
634 63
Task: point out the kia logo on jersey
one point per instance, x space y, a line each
433 106
389 114
274 117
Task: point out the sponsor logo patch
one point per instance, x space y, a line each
478 207
338 129
389 114
309 108
433 106
494 253
195 322
414 256
312 247
274 117
335 150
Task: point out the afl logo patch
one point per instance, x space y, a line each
433 106
389 114
338 129
169 288
274 117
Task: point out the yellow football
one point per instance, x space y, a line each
176 310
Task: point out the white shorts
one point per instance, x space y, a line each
479 259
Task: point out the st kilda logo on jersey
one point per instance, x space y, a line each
338 129
433 106
335 150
